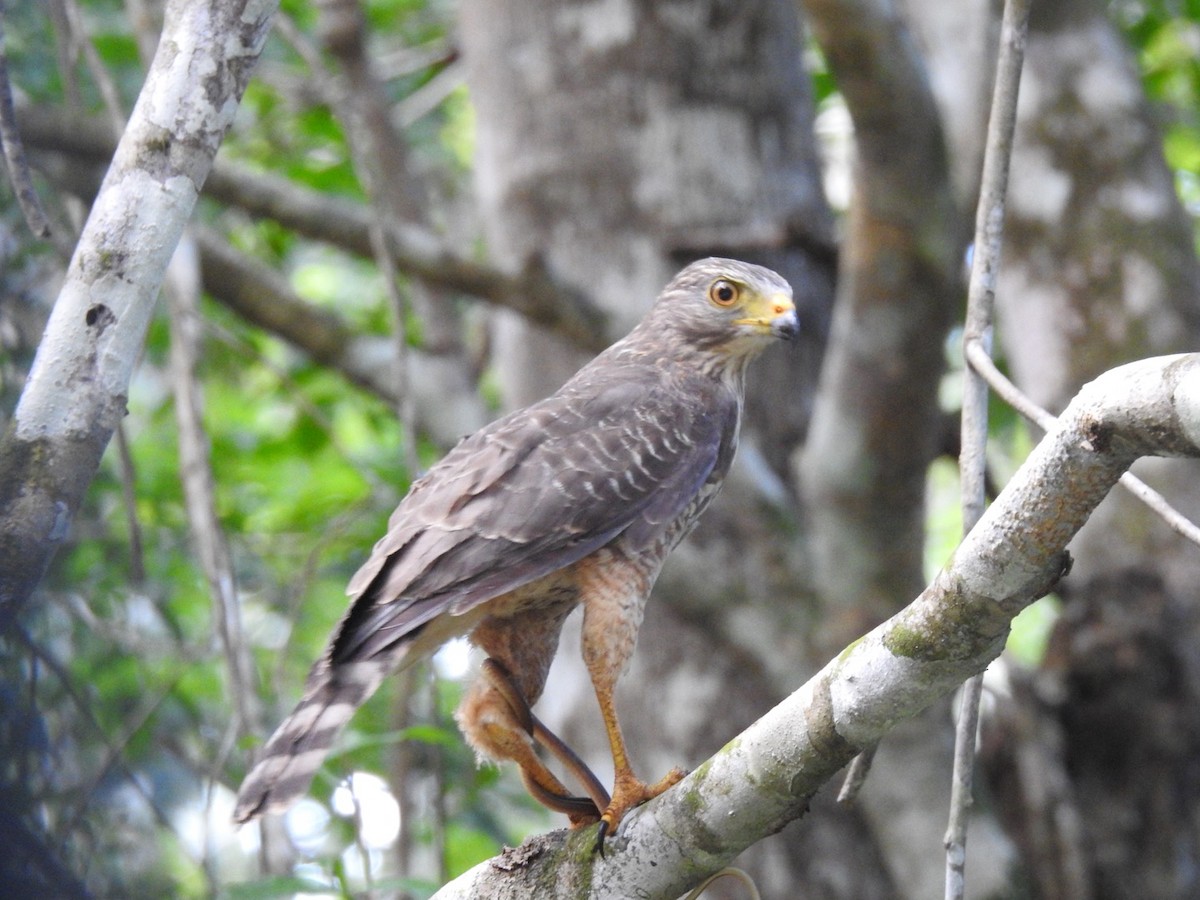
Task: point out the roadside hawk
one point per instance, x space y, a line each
573 501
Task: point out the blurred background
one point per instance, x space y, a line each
429 212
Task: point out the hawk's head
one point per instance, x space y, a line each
727 309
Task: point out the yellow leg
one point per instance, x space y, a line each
628 790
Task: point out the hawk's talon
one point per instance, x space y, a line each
629 793
601 832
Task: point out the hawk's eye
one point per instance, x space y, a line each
723 293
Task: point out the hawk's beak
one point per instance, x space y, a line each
776 313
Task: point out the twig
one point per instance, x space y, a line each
383 168
145 31
983 365
989 230
109 95
137 559
85 709
14 150
65 52
430 95
401 61
736 874
856 777
183 280
115 750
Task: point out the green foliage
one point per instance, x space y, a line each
1166 37
134 700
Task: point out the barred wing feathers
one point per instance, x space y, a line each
621 449
533 493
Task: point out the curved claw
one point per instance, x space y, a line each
628 793
601 834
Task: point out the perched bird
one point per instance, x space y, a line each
574 501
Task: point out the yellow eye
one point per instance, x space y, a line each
724 293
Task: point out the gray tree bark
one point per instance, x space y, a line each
74 396
52 448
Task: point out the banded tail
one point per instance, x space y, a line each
290 759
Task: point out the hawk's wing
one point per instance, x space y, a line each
616 449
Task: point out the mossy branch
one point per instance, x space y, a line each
765 777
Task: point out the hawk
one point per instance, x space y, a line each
574 501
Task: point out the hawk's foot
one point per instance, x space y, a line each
580 810
629 792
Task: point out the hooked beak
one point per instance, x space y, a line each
776 314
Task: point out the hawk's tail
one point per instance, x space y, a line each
290 759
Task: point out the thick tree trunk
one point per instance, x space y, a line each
74 396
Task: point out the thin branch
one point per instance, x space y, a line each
382 165
14 150
430 95
65 52
766 776
981 296
264 298
115 749
297 393
114 755
401 61
145 28
195 464
128 477
982 363
130 641
109 95
533 292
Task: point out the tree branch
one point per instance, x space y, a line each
766 776
979 360
199 485
96 331
972 463
14 151
534 292
265 299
